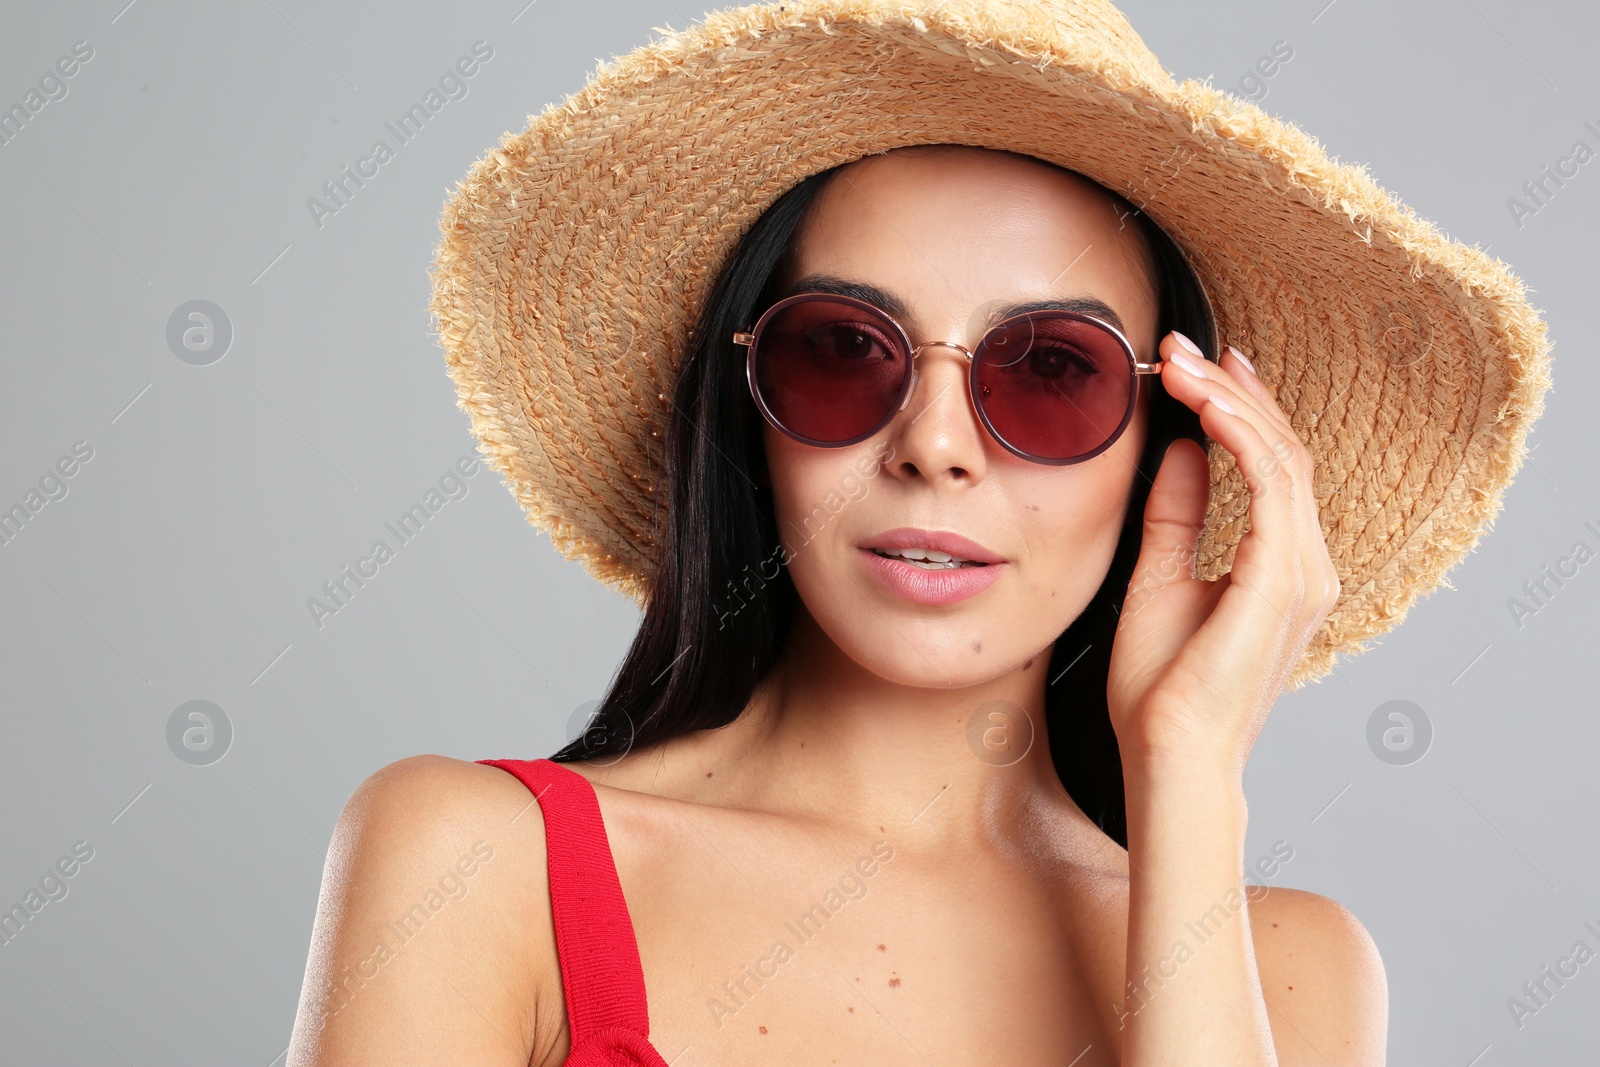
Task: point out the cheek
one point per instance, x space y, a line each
1074 534
811 489
812 520
1073 541
791 481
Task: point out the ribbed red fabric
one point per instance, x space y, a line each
600 970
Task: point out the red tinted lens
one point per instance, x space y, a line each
1054 385
828 370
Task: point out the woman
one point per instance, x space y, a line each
977 809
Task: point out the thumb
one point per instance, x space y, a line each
1174 514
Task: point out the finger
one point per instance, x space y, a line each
1243 631
1277 456
1284 562
1194 382
1322 575
1228 381
1174 515
1235 362
1268 558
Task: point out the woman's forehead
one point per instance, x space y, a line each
967 234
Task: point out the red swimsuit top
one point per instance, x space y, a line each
600 970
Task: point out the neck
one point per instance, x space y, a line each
826 739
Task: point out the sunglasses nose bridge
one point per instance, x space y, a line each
917 351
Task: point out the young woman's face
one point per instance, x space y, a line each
955 233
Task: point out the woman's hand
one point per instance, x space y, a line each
1197 665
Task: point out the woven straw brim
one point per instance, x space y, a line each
577 254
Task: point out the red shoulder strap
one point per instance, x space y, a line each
600 970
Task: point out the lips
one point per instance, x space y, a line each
936 545
934 587
899 560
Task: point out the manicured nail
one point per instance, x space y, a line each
1223 404
1251 367
1191 364
1190 345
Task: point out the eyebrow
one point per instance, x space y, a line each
872 294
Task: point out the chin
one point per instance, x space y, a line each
954 651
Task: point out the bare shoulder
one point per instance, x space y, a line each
433 940
1323 979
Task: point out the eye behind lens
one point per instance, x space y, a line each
852 341
1053 387
829 372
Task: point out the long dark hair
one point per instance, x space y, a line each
721 606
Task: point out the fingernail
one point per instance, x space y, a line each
1223 404
1190 345
1189 363
1251 367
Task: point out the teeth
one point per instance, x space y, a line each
921 553
927 558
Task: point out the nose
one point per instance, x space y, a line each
936 432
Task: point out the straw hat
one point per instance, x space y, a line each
577 254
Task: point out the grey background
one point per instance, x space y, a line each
219 498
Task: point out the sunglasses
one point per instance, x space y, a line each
1053 387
